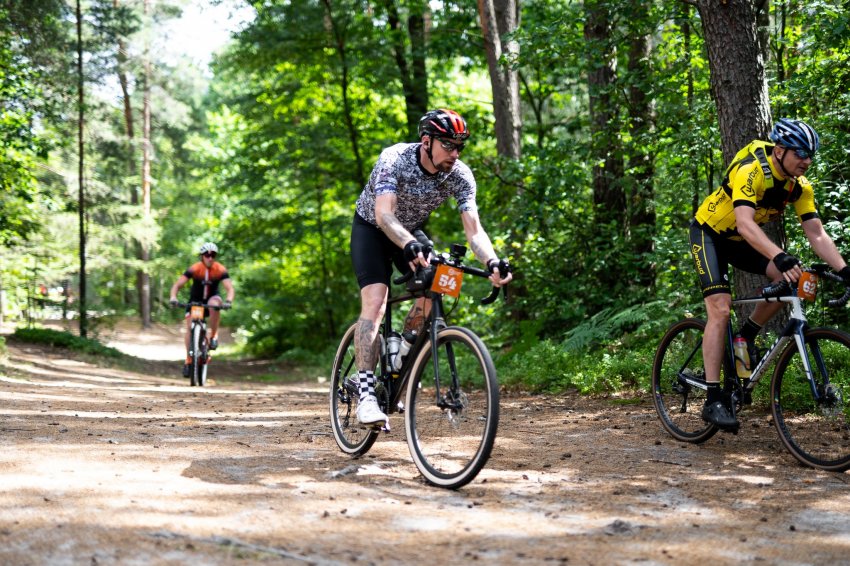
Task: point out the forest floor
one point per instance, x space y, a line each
102 465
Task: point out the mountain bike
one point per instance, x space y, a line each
199 344
451 403
809 390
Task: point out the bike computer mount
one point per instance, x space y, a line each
457 251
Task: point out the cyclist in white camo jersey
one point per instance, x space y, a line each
409 182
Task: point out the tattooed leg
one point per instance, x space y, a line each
415 319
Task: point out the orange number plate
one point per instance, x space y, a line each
447 280
197 313
807 288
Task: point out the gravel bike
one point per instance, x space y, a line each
809 390
451 404
199 344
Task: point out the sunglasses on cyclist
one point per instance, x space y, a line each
803 154
209 254
449 146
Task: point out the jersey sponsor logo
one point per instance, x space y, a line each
695 250
747 189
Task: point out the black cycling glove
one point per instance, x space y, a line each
845 274
785 262
412 249
502 264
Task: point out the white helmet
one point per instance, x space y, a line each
209 247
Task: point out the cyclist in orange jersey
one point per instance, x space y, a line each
206 276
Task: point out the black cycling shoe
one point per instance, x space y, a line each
213 343
718 414
186 368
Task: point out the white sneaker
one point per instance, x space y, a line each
368 413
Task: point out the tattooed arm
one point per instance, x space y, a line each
480 243
385 206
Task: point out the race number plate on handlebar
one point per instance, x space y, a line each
447 280
197 313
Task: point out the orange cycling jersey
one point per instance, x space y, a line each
745 184
205 280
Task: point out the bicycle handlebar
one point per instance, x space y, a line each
784 289
199 304
457 263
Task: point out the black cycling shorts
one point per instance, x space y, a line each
373 254
713 254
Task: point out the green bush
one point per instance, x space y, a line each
549 367
65 340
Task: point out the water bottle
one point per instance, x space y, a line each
393 342
408 338
742 356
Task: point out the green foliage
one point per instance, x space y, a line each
67 340
548 367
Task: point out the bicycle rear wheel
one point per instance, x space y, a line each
451 438
196 369
350 436
678 403
815 431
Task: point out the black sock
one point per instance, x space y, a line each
749 330
714 392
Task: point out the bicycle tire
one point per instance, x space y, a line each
815 433
450 447
204 360
196 354
679 405
351 437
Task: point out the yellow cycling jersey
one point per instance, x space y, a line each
745 184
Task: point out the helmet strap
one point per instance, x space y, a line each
782 164
429 149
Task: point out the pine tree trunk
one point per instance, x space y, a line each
143 279
498 19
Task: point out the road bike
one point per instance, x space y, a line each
199 344
451 393
809 391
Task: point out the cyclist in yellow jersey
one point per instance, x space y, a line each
761 181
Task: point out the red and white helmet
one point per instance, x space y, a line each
442 123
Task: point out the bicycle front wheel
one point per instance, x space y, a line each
815 428
350 436
678 403
197 339
452 409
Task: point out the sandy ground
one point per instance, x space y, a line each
108 466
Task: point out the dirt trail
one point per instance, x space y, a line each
106 466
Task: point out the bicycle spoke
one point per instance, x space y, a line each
814 424
451 434
678 403
349 435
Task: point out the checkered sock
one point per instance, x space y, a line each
367 383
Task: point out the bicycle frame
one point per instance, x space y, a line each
794 329
434 322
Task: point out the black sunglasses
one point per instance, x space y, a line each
449 146
209 254
803 154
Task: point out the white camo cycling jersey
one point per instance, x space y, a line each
419 193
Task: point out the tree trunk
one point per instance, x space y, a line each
143 279
498 19
739 88
82 193
641 164
121 58
608 193
339 44
414 74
